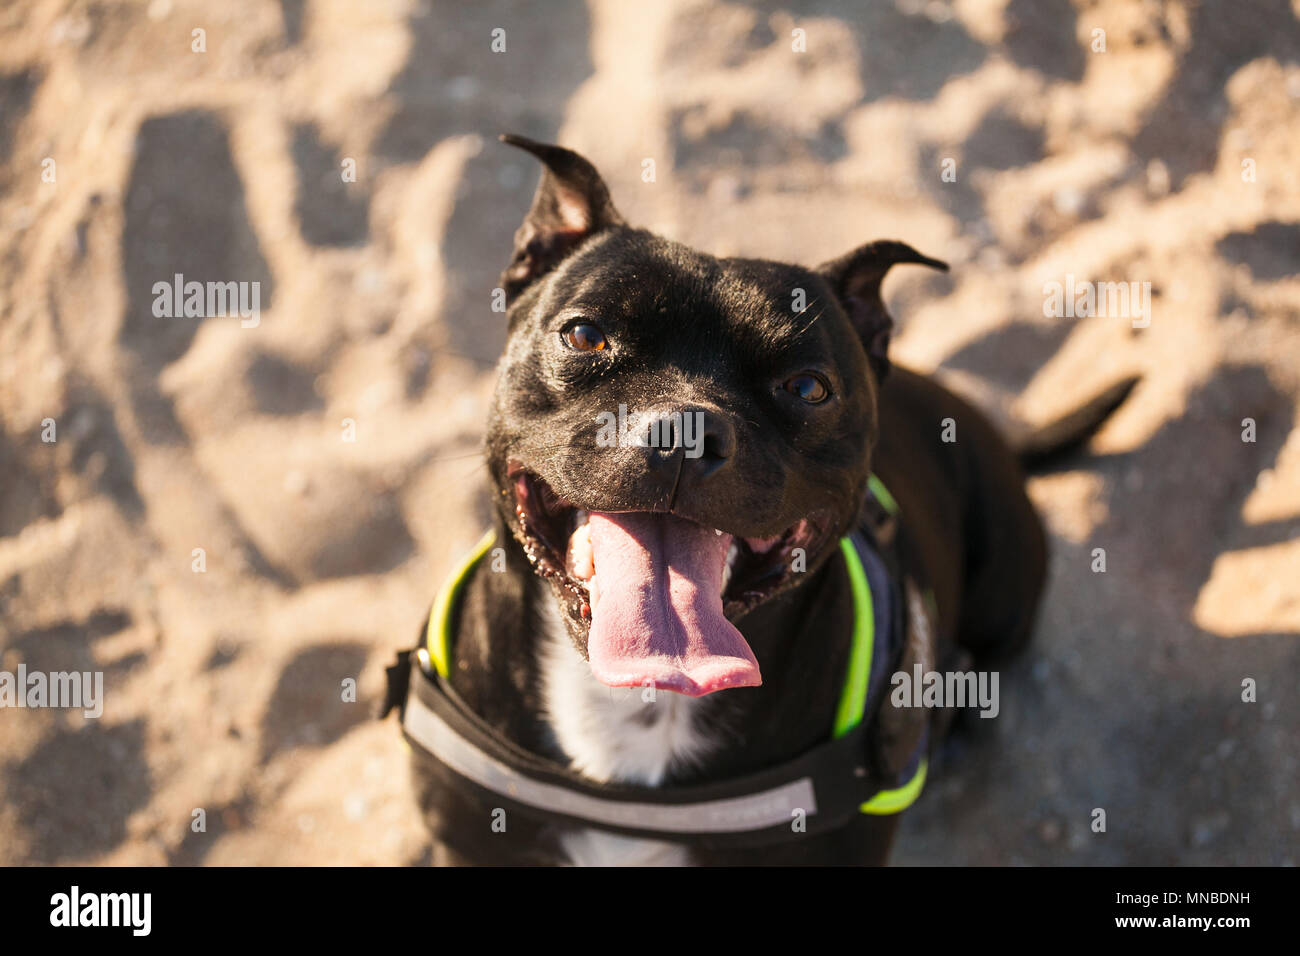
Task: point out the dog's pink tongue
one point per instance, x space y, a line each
656 607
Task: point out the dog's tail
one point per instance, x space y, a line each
1048 444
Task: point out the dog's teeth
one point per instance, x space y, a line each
732 554
579 561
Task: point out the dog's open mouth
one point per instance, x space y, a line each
658 589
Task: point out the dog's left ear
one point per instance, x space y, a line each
571 204
856 279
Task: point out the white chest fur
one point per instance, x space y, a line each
627 735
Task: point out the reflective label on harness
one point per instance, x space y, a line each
757 811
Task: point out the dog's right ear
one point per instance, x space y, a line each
571 204
856 279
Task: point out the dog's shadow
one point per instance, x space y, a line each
1122 701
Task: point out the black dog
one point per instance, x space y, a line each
648 663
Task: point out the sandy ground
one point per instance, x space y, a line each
1172 157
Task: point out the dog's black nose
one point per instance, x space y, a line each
694 440
718 444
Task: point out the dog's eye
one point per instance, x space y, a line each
810 388
584 337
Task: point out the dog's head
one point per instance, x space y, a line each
676 438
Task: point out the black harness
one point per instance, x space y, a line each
874 761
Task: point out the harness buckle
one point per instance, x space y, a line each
398 677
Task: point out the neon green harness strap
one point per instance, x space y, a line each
900 798
438 633
853 698
877 488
